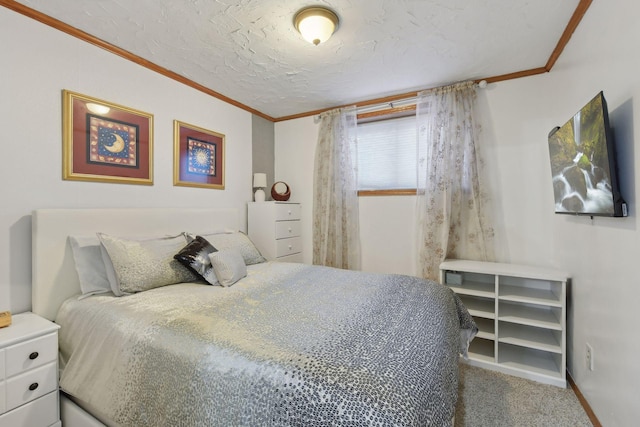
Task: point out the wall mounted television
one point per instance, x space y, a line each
583 164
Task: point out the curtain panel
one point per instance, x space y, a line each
336 230
453 221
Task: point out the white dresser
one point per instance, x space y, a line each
29 373
275 229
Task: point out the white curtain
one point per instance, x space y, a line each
336 230
451 213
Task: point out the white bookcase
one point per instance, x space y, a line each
520 312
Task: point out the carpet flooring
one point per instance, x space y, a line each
492 399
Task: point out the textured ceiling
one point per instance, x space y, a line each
249 51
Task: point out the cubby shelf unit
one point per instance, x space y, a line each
520 312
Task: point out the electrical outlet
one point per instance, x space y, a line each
589 357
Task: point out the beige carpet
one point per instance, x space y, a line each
492 399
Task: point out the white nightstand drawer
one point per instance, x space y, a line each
31 385
287 211
31 354
288 246
39 413
285 229
3 397
2 373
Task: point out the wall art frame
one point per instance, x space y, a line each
199 156
105 142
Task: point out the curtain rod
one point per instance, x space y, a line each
405 101
402 102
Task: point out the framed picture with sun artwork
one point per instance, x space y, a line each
105 142
198 156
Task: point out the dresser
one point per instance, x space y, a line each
29 373
275 229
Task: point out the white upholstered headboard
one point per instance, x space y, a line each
54 274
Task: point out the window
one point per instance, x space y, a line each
387 154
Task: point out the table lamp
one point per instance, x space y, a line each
259 182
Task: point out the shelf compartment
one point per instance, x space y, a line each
522 314
478 289
520 311
486 328
523 294
479 307
505 269
530 360
530 337
482 350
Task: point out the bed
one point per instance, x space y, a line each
284 345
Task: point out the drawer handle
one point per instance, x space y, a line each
290 230
290 246
289 212
33 355
33 386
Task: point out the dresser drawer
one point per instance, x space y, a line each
42 412
42 380
288 246
31 354
285 211
291 258
286 229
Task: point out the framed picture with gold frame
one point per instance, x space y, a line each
198 156
105 142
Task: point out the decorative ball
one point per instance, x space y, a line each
280 191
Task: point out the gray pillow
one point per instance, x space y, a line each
236 240
89 265
140 265
228 265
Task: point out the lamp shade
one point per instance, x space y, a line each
259 180
316 24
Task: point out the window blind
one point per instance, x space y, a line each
387 154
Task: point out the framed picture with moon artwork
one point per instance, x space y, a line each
105 142
198 156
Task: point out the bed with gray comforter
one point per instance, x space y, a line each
288 345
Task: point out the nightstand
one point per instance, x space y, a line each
29 373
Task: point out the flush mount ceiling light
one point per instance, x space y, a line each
316 24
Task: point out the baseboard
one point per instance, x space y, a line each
583 402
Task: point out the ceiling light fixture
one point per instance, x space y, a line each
316 24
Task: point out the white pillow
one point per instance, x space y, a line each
228 265
89 265
140 265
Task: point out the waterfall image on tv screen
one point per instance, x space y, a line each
579 152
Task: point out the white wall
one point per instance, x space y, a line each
37 63
387 234
600 254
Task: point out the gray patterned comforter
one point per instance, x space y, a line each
289 345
